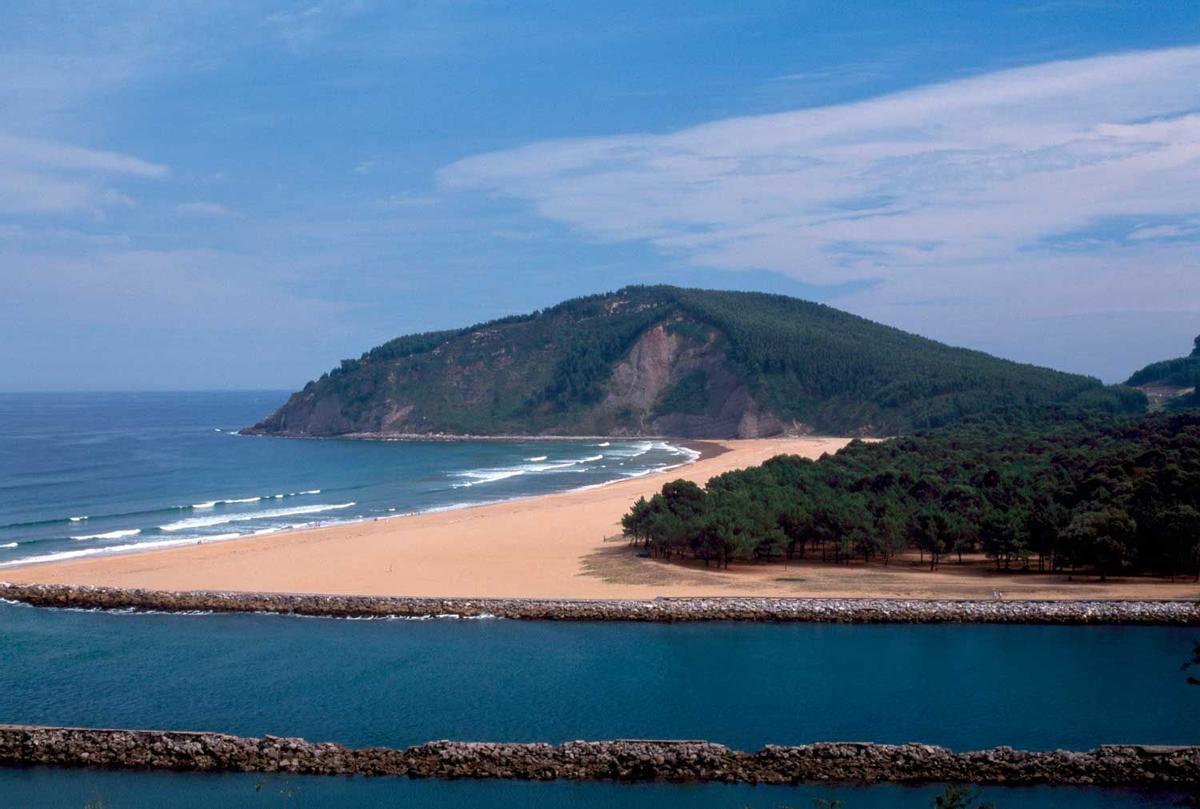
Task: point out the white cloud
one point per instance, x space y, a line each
949 192
74 158
47 177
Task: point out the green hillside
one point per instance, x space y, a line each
669 361
1171 384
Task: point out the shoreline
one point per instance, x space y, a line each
431 544
702 448
629 760
1161 612
451 438
566 546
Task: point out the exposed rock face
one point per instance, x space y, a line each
660 360
662 610
625 760
647 371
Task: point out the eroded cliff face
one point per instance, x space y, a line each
645 374
662 359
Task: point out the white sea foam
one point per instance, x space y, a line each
310 491
9 545
692 454
245 516
111 549
635 451
604 444
459 506
78 519
124 532
478 476
228 501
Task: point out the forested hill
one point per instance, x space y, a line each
668 361
1172 383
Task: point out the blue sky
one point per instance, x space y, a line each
231 195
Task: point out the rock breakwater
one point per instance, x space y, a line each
623 760
663 610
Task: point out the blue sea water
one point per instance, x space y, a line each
92 473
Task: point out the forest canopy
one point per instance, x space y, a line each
1064 491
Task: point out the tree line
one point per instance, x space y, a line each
1060 491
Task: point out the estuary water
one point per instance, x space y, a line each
399 682
83 474
39 788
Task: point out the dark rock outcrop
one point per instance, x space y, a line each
623 760
661 610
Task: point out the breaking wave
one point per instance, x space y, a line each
124 532
111 549
207 504
245 516
536 464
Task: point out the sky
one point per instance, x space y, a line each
239 194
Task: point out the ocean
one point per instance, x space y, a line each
83 474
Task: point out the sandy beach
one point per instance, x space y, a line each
556 546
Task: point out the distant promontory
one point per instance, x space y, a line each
660 360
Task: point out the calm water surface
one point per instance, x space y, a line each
56 789
399 682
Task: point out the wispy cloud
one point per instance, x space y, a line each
74 158
47 177
947 192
